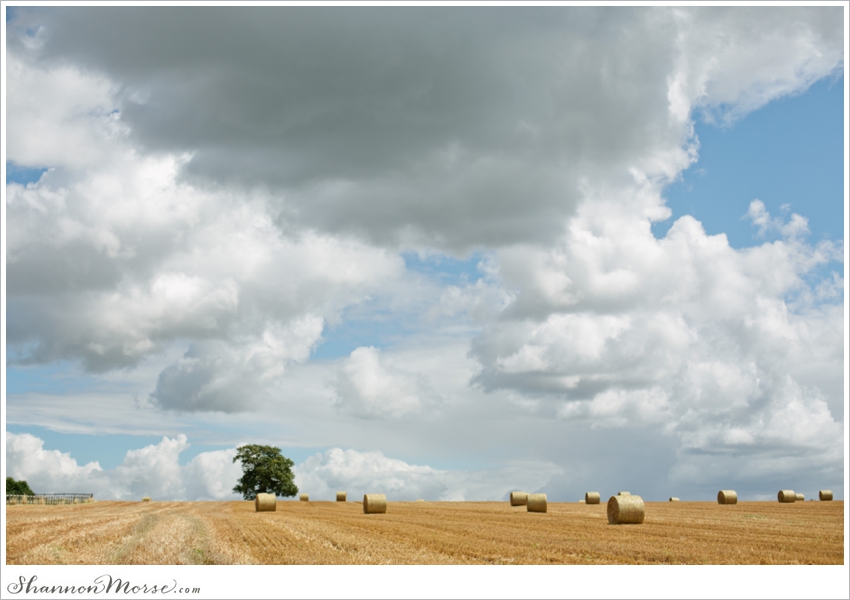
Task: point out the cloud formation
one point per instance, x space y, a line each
152 471
367 388
155 471
445 127
731 351
360 473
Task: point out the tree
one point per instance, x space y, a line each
264 470
18 488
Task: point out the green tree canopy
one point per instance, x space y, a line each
264 471
18 488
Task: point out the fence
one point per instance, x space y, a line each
49 498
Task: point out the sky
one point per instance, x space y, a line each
440 253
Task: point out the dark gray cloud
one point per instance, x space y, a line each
399 124
445 127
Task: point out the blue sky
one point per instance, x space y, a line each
435 272
788 152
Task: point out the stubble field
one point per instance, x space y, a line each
428 533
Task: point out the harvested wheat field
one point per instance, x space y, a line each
328 533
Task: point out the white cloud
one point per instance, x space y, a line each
112 260
44 129
361 473
797 226
155 471
150 471
713 344
47 471
367 388
753 57
228 377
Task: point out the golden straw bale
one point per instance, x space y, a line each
519 498
673 499
374 504
265 503
623 494
625 510
536 503
800 497
591 498
825 495
341 496
727 497
304 497
421 500
786 496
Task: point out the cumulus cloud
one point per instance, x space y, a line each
112 260
714 345
758 214
150 471
155 471
371 472
227 377
367 388
444 127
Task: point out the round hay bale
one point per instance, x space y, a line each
727 497
304 497
374 504
146 499
591 498
825 495
535 503
625 510
421 500
341 496
786 496
265 503
673 499
519 498
800 497
623 494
